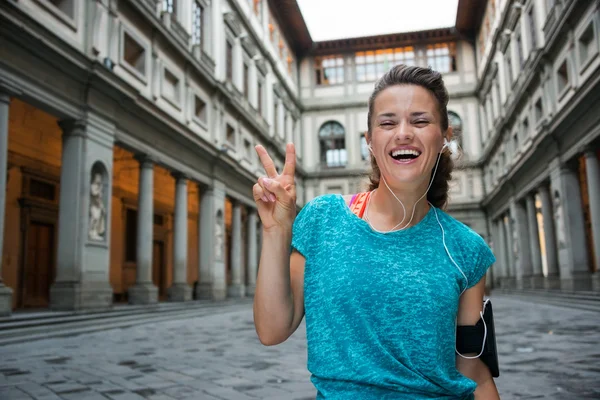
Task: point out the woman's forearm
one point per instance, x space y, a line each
273 302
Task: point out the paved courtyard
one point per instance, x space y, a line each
546 352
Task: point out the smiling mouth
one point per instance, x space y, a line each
405 155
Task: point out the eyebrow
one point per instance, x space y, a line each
414 114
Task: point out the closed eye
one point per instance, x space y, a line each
421 122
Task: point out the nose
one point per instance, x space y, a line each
404 132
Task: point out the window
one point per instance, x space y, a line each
198 24
259 101
364 146
134 54
519 45
332 138
370 65
329 70
171 86
539 110
456 123
525 128
442 57
247 149
509 74
515 143
199 109
170 6
562 77
67 7
246 81
533 29
230 134
587 44
229 61
42 190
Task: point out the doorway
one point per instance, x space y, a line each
38 267
159 277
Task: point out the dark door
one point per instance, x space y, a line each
38 271
158 268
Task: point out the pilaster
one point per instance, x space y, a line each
5 291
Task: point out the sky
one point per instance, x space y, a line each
335 19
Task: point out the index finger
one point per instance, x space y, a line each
266 161
290 160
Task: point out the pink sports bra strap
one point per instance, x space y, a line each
359 202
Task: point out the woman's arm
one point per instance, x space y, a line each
278 297
471 304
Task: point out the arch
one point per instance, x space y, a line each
332 140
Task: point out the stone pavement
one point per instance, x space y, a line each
546 352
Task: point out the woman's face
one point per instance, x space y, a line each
406 134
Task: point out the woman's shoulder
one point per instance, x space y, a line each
462 232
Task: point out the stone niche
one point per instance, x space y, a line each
98 201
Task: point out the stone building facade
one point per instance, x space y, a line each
127 134
538 74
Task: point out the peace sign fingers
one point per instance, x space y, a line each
289 168
266 161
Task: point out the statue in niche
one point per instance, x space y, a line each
97 208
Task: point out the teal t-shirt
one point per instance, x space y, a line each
381 308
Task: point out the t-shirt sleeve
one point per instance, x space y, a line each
303 230
483 260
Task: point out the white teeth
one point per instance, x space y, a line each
405 153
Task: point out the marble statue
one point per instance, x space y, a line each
97 208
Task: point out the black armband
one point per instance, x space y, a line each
470 339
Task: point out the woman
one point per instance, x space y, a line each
382 291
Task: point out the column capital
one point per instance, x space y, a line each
589 152
73 127
145 160
179 176
4 97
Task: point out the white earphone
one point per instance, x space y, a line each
452 145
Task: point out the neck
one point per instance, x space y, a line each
386 212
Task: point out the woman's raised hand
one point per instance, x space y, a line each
275 194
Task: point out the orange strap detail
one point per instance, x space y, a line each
360 203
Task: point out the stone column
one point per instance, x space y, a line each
537 276
593 184
252 247
212 244
500 249
551 281
237 287
570 229
83 259
180 290
523 270
144 291
511 254
5 291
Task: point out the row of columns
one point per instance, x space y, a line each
517 234
83 261
211 244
